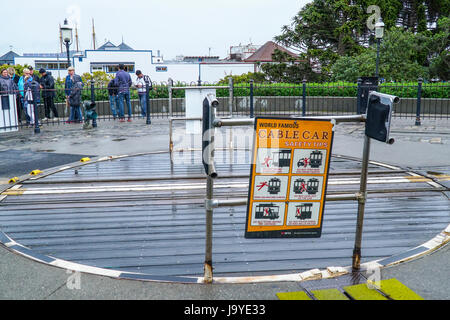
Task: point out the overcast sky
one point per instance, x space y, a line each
175 27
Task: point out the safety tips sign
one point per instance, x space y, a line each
288 178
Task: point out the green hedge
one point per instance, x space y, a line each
336 89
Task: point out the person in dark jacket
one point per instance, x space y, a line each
71 80
15 78
48 93
113 93
32 96
7 85
124 82
75 102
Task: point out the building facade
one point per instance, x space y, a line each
108 57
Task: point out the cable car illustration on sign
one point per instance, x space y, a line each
267 211
274 186
311 187
314 160
304 211
282 158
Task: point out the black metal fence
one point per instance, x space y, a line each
418 101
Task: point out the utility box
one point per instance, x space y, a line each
379 114
194 108
8 113
366 85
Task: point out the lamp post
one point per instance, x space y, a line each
66 32
379 32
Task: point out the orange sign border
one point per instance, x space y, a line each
309 133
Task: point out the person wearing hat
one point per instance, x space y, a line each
71 81
35 77
47 83
141 85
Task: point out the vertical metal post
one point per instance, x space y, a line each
169 87
358 97
208 269
356 261
378 57
208 154
419 101
94 120
147 99
304 98
252 111
68 53
231 96
35 108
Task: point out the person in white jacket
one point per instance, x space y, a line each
141 83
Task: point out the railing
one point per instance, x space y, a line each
419 101
210 122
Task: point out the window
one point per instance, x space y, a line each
51 65
111 67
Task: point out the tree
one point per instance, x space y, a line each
257 77
325 30
287 68
400 59
19 68
101 78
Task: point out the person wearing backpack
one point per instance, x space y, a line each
31 97
48 93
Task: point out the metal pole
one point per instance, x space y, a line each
230 98
169 87
419 100
378 57
304 98
251 100
356 260
358 97
208 269
208 135
68 54
94 120
147 99
35 108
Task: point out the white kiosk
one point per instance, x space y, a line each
194 108
8 113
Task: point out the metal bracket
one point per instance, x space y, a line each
361 197
211 204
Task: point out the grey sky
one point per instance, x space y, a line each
176 27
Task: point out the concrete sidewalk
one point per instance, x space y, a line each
424 148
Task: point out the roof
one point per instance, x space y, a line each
9 56
124 46
264 54
111 46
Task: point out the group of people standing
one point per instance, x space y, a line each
28 89
119 93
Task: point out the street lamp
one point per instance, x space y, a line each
66 33
379 32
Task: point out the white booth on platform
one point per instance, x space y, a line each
194 108
8 113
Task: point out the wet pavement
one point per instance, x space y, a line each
422 148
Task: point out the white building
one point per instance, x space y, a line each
108 57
